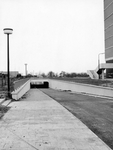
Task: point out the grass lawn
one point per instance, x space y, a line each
95 112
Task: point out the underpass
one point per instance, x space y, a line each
39 84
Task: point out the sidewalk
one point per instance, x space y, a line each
37 122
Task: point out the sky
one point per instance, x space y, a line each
52 35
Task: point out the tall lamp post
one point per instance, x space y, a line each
99 61
8 31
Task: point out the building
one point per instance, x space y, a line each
12 73
108 27
108 20
98 73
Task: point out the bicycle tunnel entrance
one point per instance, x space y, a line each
39 84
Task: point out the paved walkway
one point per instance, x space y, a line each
37 122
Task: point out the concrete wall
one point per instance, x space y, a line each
18 93
19 83
23 87
81 88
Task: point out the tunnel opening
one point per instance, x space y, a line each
39 85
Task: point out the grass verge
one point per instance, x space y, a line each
94 112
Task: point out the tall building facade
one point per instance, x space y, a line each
108 20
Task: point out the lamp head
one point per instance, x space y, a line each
8 31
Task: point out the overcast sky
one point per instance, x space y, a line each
52 35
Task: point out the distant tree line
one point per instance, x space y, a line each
53 74
65 74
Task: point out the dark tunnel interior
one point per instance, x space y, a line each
39 85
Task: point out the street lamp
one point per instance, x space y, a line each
8 31
99 61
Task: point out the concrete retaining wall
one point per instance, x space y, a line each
18 93
81 88
19 83
21 90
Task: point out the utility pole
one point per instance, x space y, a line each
26 69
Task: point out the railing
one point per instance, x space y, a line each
92 74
